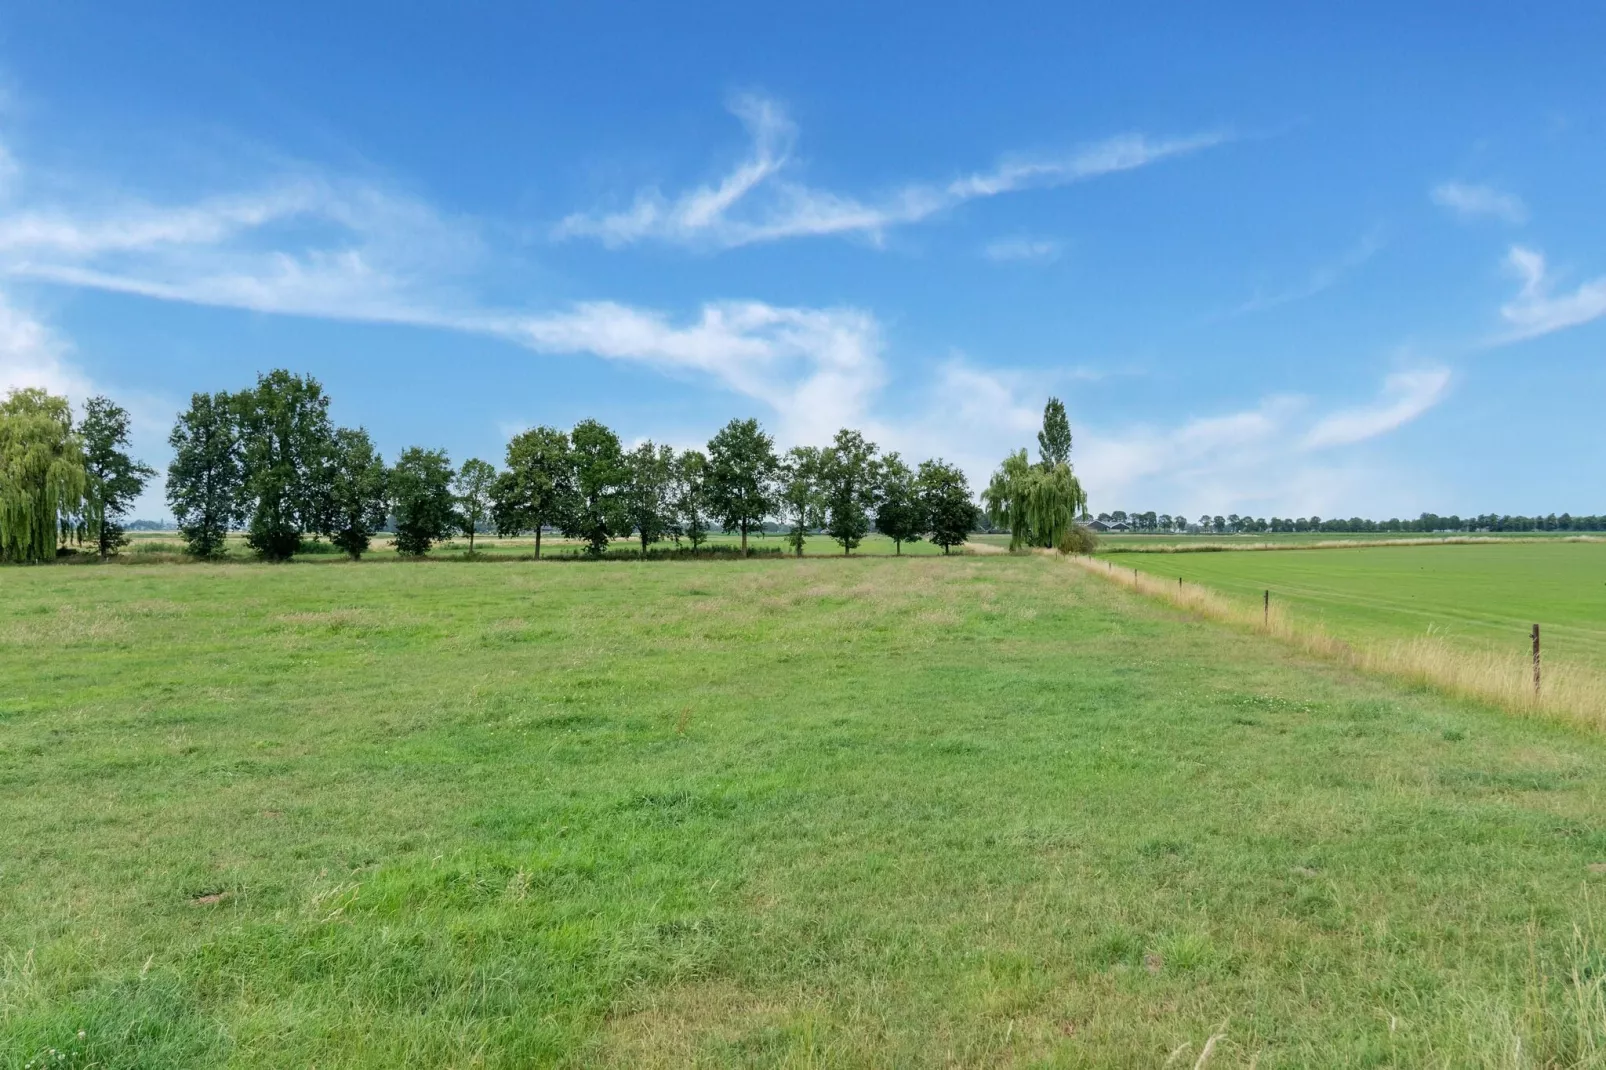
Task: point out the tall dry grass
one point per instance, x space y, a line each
1568 691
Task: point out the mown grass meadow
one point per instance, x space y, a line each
974 810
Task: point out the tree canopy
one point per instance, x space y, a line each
45 490
204 479
850 472
649 492
945 498
691 497
473 485
1054 440
537 488
1037 504
421 491
599 474
285 439
900 509
115 478
358 491
801 500
742 467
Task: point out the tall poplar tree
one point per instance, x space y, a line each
1054 440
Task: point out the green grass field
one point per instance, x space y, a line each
1484 594
964 811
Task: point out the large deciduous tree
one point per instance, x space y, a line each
205 479
115 478
599 476
1038 505
802 501
945 497
421 494
850 472
537 488
358 491
691 497
649 492
900 512
473 487
45 487
285 438
741 476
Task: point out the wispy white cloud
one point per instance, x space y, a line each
1536 309
1011 249
817 369
343 250
1324 277
758 202
1405 396
1467 202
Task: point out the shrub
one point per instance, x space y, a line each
1078 540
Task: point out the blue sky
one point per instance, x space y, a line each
1335 261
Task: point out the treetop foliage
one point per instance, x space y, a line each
742 469
45 488
1054 440
115 478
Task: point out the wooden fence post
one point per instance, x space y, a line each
1265 610
1536 660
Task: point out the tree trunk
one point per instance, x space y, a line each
538 542
898 547
471 540
744 538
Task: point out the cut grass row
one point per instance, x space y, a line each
930 812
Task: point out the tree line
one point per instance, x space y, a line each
1233 524
269 459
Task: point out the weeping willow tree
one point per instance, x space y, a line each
45 496
1036 502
